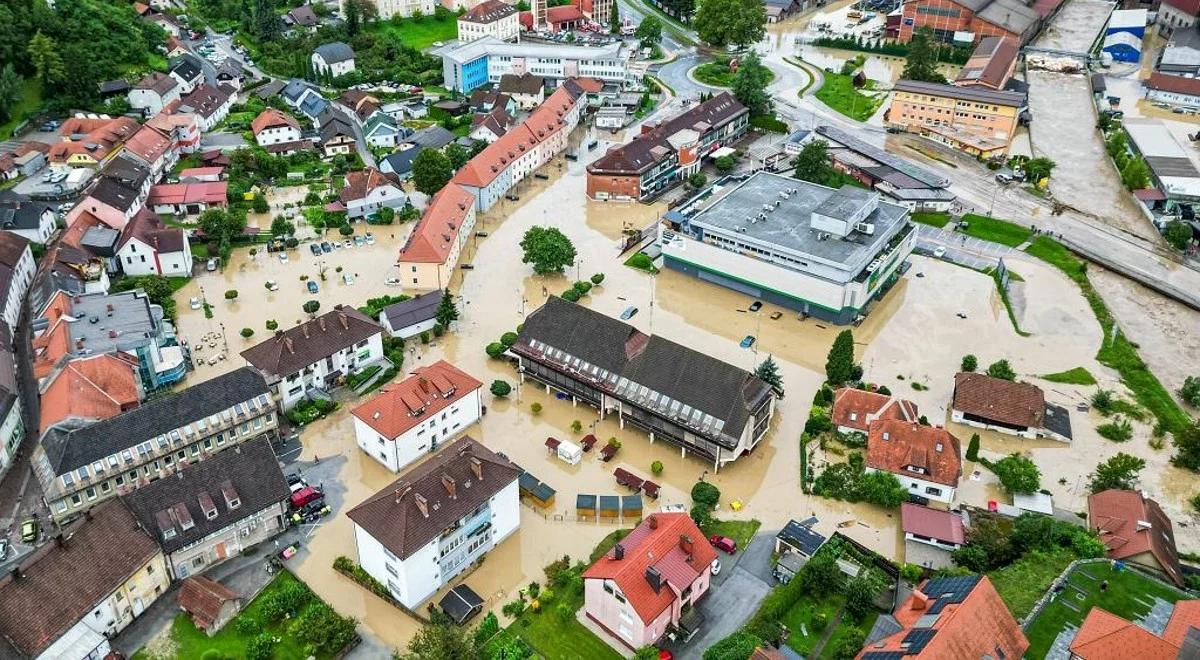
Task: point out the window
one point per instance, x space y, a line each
930 490
91 493
68 480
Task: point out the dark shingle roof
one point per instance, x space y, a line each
690 377
525 83
186 67
416 310
802 536
12 248
335 52
250 468
293 349
153 418
21 214
393 516
60 585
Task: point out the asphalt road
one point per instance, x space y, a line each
961 249
734 595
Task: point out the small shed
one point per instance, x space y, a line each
210 603
799 538
539 493
585 506
631 506
610 506
461 603
569 452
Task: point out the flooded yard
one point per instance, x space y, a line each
914 332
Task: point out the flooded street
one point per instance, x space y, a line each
1075 27
914 332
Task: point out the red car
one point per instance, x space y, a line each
723 543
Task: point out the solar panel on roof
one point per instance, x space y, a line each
917 638
949 591
883 655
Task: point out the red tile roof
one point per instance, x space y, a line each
433 237
1130 524
206 192
659 542
897 446
201 171
496 157
272 118
1018 404
103 135
400 407
202 598
488 12
976 624
1184 617
1106 636
1177 84
563 14
856 409
1189 7
932 523
149 143
93 388
360 183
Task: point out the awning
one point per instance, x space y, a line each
461 603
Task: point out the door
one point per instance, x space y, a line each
138 606
221 551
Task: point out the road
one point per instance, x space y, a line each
734 595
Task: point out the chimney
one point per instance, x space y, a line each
343 320
304 330
451 485
278 334
477 468
920 601
618 552
16 572
423 505
400 493
653 522
654 578
321 323
685 544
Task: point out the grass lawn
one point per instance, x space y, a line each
191 642
607 543
1022 583
738 530
419 34
800 617
1129 595
938 220
996 231
30 101
839 93
1117 351
835 640
1076 376
718 74
681 32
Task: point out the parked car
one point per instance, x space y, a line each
359 241
283 257
272 285
716 566
756 305
325 247
30 530
195 303
347 278
316 249
210 265
747 341
304 496
369 238
723 543
312 287
392 281
628 313
348 243
3 549
939 251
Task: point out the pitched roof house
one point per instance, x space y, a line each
1008 407
1135 529
210 603
951 618
368 190
428 258
1106 636
648 579
91 388
926 459
855 409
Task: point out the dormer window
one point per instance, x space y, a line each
207 506
854 417
168 534
886 435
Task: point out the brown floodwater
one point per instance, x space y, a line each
914 332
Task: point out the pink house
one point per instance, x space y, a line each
649 580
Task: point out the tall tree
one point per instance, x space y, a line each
446 312
431 171
547 249
1187 446
1135 175
1119 472
47 61
1018 474
726 22
614 18
768 371
1039 168
1179 234
649 32
750 84
839 365
437 641
457 154
267 25
921 63
812 163
10 91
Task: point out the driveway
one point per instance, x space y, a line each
734 595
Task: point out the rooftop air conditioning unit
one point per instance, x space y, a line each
867 228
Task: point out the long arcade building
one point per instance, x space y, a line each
674 393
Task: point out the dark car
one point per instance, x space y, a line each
756 305
312 287
316 249
325 247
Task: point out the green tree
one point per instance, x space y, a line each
1190 392
1018 474
973 448
386 215
812 163
1039 168
1001 369
738 646
768 371
221 225
750 85
447 312
860 593
311 306
547 249
970 363
649 32
280 226
614 19
724 164
501 388
697 180
457 155
358 13
1187 446
438 641
646 652
10 91
705 495
853 640
881 489
1119 472
730 22
46 59
921 62
839 365
1178 233
266 22
431 171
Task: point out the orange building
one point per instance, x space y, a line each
979 18
973 119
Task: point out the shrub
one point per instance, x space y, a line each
656 467
508 339
818 423
246 626
345 230
970 363
513 609
818 622
260 648
311 306
1102 401
738 646
570 295
1118 430
535 408
973 448
231 294
439 330
272 324
247 332
1018 474
576 426
597 278
1001 369
582 287
424 336
494 349
705 494
338 269
614 443
911 573
501 388
1190 392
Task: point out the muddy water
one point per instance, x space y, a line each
1064 130
1075 28
914 332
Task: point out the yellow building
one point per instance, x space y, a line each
979 121
428 259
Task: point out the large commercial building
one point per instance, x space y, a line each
823 252
683 396
668 152
466 66
979 121
898 180
958 20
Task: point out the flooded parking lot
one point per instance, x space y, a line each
915 332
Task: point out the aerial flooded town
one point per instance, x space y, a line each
654 329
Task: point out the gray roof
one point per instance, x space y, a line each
414 311
802 536
433 137
295 89
788 226
917 174
1058 420
333 125
845 204
314 105
270 89
186 67
68 451
335 52
400 162
100 240
1012 15
975 94
696 380
108 322
22 214
297 347
250 469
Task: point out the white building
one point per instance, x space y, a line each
273 126
390 8
317 354
367 191
822 252
148 247
153 92
466 66
12 424
210 104
333 59
437 520
491 18
33 221
926 460
16 273
412 418
411 317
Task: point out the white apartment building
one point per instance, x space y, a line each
491 18
17 267
414 417
466 66
273 126
437 520
390 8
